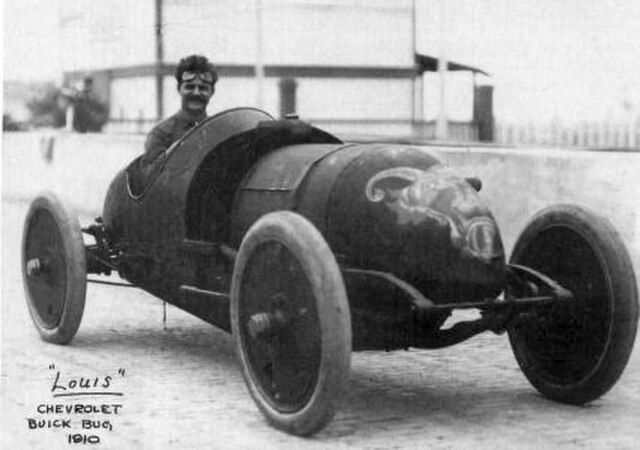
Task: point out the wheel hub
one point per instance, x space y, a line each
262 325
36 266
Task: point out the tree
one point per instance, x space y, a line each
8 124
47 107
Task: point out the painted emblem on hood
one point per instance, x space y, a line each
398 186
437 197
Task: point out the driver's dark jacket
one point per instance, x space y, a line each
166 133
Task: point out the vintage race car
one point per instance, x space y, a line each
306 248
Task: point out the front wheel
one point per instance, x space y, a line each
54 268
291 322
575 351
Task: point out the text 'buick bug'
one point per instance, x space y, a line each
306 248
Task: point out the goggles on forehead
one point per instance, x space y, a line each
205 77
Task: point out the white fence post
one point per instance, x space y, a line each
583 134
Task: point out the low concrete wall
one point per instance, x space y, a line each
77 167
517 182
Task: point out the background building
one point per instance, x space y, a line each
348 65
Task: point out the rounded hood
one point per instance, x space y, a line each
399 209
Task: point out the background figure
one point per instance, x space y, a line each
89 114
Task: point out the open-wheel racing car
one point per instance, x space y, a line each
306 249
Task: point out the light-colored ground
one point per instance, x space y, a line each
183 389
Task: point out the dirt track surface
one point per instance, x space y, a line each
182 388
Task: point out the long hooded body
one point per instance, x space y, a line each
383 207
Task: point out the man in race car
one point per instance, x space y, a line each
196 78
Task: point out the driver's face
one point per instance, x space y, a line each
195 94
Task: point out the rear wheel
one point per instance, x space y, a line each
54 269
291 323
575 351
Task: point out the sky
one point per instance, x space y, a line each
567 60
30 48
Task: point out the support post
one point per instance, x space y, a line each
417 84
259 56
159 61
441 123
288 88
483 112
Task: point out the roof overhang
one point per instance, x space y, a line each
423 63
427 63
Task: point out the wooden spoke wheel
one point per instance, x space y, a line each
54 269
575 351
291 322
